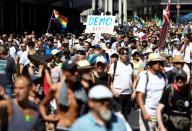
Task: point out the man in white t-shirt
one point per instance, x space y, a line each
121 83
23 61
12 50
187 50
149 90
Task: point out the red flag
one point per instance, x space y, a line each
165 27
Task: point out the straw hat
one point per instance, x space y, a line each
148 50
154 57
84 64
178 58
103 46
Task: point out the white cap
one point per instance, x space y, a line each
100 92
176 39
55 51
134 51
101 59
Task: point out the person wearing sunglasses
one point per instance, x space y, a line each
174 109
149 89
121 73
178 63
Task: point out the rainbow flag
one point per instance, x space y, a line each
60 19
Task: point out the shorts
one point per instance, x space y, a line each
150 125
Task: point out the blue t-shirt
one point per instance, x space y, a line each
47 49
88 123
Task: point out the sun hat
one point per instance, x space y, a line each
154 57
84 64
148 50
103 46
100 92
178 58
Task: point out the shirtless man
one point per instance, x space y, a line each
66 99
21 114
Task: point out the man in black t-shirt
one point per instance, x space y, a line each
7 70
175 104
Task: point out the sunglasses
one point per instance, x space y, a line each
124 53
178 63
102 100
180 78
156 62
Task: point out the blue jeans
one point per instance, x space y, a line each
9 90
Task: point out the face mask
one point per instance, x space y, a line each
106 115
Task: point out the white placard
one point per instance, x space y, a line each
100 24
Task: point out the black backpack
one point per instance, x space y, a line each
115 67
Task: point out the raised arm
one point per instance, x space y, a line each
45 102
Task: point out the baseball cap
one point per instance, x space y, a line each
180 73
134 51
69 65
101 59
100 92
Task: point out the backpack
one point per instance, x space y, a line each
179 122
115 67
147 79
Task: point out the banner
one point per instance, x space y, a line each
100 24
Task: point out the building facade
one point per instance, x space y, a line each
143 8
27 15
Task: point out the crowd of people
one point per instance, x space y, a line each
92 82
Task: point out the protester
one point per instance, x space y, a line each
174 109
121 83
69 97
7 70
178 64
187 50
150 84
63 67
100 117
21 114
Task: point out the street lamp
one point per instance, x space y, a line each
122 15
178 8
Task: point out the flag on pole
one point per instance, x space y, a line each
165 27
60 19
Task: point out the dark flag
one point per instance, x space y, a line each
165 27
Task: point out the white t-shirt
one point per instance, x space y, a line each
123 78
187 52
12 52
24 58
56 74
153 91
176 52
